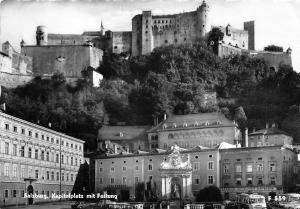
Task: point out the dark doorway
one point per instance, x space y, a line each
124 195
30 192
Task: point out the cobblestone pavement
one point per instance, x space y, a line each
52 205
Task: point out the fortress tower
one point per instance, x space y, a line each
202 20
41 36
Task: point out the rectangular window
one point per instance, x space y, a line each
150 167
14 193
6 170
42 155
67 177
210 180
30 133
47 156
6 193
226 168
238 181
72 177
22 172
52 176
100 180
101 169
136 179
29 152
124 180
36 154
57 158
273 181
22 151
112 180
14 149
48 175
6 126
57 176
260 181
260 167
14 170
196 166
6 148
124 169
36 135
23 131
62 176
272 167
15 129
210 165
249 182
249 168
36 174
136 167
29 172
112 169
238 168
197 180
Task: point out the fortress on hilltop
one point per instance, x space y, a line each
78 55
150 31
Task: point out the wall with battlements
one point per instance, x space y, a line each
70 60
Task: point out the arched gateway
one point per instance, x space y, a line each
176 176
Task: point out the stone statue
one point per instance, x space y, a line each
176 191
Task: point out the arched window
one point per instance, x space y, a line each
165 126
170 136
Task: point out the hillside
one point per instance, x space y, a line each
170 80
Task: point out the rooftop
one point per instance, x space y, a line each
123 132
192 121
270 131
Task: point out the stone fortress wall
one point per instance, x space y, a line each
67 59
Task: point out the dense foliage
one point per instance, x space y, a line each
273 48
209 194
172 80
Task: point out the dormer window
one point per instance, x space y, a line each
206 123
218 122
196 124
165 126
174 125
121 134
184 124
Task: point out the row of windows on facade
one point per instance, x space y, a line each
20 193
42 137
249 168
195 134
48 156
196 166
249 182
210 180
174 125
185 144
37 174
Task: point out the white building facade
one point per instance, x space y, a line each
35 160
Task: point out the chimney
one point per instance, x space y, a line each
127 149
246 140
165 116
115 149
267 125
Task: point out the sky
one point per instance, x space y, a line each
276 21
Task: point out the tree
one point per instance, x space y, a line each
215 35
209 194
273 48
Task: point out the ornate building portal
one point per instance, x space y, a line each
176 176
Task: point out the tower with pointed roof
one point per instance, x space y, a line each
102 29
